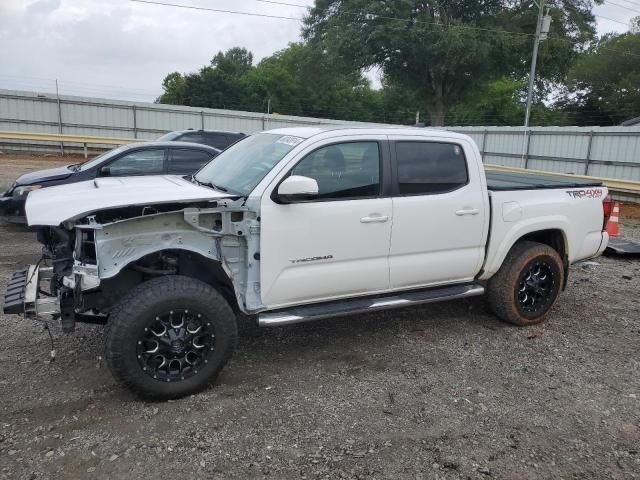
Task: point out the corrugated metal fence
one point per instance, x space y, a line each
612 152
46 113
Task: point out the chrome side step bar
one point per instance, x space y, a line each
352 306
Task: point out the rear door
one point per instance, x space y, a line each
440 212
337 245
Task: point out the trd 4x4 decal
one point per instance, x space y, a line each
589 193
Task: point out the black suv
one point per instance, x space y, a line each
213 138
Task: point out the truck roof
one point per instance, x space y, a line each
335 130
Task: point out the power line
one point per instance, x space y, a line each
464 27
433 23
503 32
622 6
284 3
626 24
220 10
635 4
405 20
383 17
92 85
40 84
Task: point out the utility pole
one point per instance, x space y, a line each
542 29
59 118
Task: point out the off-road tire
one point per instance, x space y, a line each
503 287
139 309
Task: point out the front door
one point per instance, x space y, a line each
336 245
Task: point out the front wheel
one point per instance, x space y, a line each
527 284
170 337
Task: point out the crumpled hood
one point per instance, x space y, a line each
40 176
54 205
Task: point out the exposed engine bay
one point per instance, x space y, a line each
96 260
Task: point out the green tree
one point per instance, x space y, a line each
299 80
606 81
500 102
442 49
174 88
303 80
217 85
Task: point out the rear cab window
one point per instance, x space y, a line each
427 168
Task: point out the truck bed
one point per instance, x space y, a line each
499 181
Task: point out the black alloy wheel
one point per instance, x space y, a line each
536 288
176 345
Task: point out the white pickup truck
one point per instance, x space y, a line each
292 225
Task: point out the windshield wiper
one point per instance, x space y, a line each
212 185
208 184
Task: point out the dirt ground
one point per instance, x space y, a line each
443 391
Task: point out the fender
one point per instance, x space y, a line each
120 243
223 235
512 232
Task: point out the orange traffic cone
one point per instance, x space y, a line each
613 228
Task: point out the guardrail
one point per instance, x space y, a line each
631 187
64 138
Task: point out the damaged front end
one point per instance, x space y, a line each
39 290
90 264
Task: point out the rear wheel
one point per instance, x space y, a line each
527 284
170 337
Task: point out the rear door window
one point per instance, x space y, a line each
183 161
430 167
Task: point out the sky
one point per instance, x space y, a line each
123 50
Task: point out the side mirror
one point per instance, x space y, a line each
297 188
105 172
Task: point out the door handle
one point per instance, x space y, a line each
375 218
468 211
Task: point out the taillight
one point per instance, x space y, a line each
607 206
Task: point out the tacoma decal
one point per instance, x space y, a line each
311 259
589 193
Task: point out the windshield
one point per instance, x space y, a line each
168 137
242 166
101 158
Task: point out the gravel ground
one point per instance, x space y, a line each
441 391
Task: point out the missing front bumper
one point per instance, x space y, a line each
24 293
